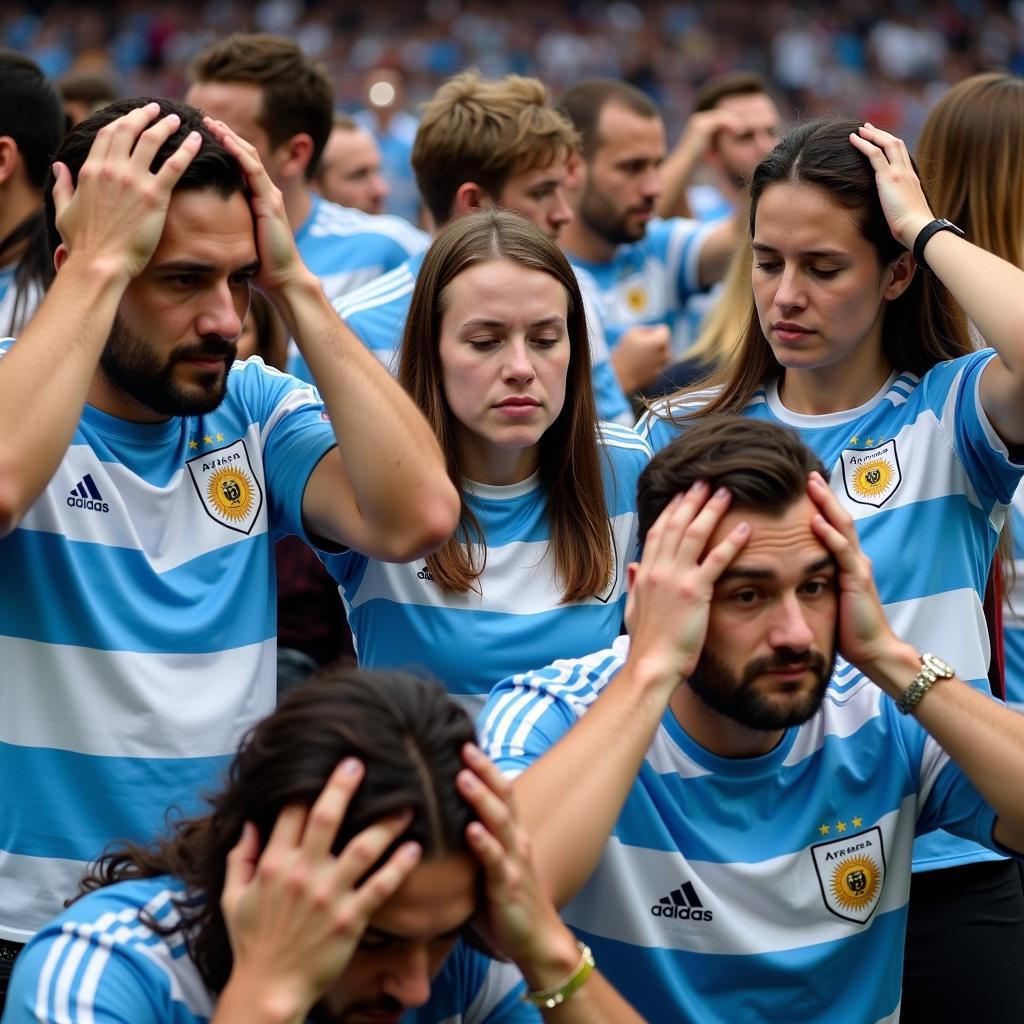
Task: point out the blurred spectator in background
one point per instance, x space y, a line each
84 92
31 127
350 171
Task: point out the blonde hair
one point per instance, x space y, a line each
971 155
485 130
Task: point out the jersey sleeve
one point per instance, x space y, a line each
296 434
992 471
612 404
81 977
680 241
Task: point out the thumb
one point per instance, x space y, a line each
63 190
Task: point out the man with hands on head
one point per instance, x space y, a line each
361 840
739 784
143 479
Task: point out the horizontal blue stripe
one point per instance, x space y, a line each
851 980
1014 647
471 651
381 326
111 599
55 803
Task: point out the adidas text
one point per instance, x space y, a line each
682 913
96 506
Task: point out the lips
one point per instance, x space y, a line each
518 403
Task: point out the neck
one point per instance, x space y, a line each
108 398
498 467
578 240
715 732
298 201
17 203
834 388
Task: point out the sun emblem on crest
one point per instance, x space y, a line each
230 492
636 299
855 882
872 478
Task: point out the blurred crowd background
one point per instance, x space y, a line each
881 61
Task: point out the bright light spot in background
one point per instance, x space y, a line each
382 94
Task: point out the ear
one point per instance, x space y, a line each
10 158
469 198
899 274
60 256
293 155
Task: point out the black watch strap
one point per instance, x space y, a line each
925 234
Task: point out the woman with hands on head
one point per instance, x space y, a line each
360 841
858 339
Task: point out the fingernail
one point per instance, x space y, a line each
722 492
350 766
468 779
698 485
472 752
193 136
743 528
411 851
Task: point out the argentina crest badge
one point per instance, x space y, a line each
227 486
871 475
851 873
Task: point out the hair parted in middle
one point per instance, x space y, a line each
407 732
764 465
298 95
921 328
570 466
482 130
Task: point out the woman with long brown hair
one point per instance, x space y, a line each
495 354
857 339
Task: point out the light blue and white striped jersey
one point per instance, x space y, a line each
346 248
514 617
9 304
377 312
770 889
928 481
1013 610
652 280
137 625
100 962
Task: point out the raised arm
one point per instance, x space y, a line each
110 223
570 799
983 737
990 290
384 490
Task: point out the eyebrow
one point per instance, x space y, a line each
743 572
195 267
550 321
833 254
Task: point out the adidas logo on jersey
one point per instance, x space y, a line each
683 904
425 574
85 494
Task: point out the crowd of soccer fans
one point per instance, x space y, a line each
539 548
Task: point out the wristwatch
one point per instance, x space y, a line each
932 670
925 234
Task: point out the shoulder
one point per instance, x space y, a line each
261 389
332 219
665 419
384 291
474 989
623 444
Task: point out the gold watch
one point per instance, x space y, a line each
932 670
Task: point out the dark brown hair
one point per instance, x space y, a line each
570 469
584 102
297 92
764 465
922 327
407 732
732 83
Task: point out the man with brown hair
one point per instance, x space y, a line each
281 102
350 172
481 143
733 790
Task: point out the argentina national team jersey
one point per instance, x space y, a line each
1013 610
762 890
514 617
377 312
928 482
652 280
347 248
137 625
100 962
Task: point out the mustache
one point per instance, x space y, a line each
784 660
210 347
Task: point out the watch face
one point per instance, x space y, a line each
941 668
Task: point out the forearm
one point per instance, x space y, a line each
399 481
597 1002
676 174
45 378
983 737
571 798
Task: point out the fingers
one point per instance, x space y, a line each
326 814
241 863
119 136
675 517
695 540
383 883
721 556
834 525
247 156
489 794
63 190
363 851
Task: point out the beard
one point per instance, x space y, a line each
132 366
717 686
601 215
320 1013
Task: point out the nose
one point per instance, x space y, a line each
790 627
381 189
518 366
224 310
789 292
407 978
561 212
652 186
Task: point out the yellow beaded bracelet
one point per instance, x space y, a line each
549 998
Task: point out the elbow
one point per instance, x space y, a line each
11 507
428 525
